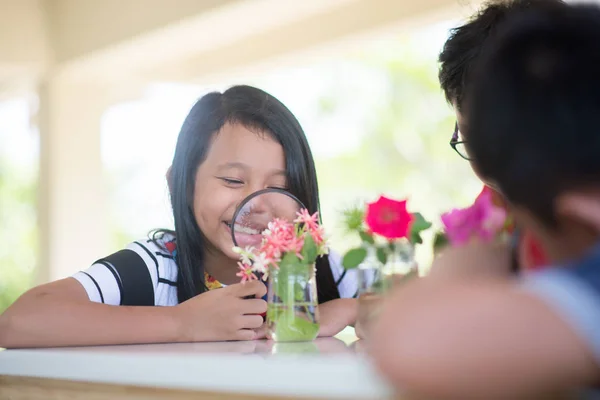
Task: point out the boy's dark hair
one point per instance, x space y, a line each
534 107
463 47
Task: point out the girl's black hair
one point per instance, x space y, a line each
257 110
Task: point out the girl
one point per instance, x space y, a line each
230 145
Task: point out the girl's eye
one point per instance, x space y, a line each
278 187
233 182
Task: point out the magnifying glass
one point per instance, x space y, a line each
255 212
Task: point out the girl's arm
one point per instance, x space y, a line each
60 314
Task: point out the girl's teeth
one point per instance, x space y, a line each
245 229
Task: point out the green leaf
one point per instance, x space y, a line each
298 292
287 260
309 250
419 222
353 219
391 246
289 267
440 241
415 238
366 237
419 225
354 257
292 328
382 255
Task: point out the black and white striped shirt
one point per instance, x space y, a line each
144 274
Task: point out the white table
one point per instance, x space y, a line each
326 368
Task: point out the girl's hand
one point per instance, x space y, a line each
359 330
335 315
223 314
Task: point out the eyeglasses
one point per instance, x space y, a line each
459 145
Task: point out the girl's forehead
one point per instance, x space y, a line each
236 145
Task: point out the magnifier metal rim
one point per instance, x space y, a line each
253 195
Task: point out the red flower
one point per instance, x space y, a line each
388 218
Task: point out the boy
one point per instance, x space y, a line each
534 118
457 59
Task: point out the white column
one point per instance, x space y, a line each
72 195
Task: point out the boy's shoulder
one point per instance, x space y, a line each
572 290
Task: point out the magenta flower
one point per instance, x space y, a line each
388 218
483 220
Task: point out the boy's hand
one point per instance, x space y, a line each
475 260
223 314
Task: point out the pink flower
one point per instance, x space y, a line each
482 220
280 236
295 246
311 222
388 218
246 273
318 235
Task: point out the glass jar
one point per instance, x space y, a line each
292 304
401 264
375 280
371 287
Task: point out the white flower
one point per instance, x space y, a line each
246 255
261 263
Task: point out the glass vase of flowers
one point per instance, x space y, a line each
286 258
385 257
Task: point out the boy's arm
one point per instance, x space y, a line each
479 338
478 261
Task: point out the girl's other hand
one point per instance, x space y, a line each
336 315
223 314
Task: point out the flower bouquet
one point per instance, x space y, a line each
286 257
387 231
385 256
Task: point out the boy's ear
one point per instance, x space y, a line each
581 206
